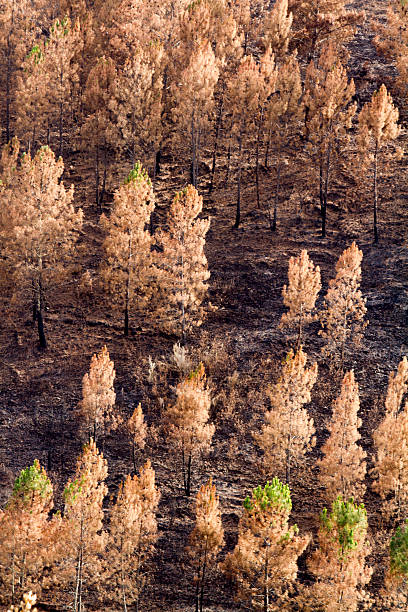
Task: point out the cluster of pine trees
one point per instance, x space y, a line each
229 94
78 554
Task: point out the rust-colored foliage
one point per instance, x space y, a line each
187 424
343 467
82 529
97 407
288 430
127 271
345 309
182 269
39 226
391 445
301 294
378 127
206 539
133 533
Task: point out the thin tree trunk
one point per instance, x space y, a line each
268 144
8 90
226 180
266 589
217 134
122 575
197 591
289 449
188 488
203 576
13 578
193 150
134 456
97 176
275 208
375 192
258 138
127 294
105 169
238 208
60 151
299 338
40 322
326 190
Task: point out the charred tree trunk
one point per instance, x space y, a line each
238 207
375 193
217 134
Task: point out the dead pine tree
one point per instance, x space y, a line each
283 111
206 539
23 529
181 269
343 468
343 316
287 433
194 101
97 407
98 129
391 443
378 126
247 92
301 293
40 227
186 422
133 534
137 430
127 270
328 115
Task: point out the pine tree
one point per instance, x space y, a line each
182 265
138 105
53 60
84 539
32 94
206 539
282 115
287 433
264 561
339 564
133 534
127 270
194 100
343 467
97 407
41 227
98 128
19 23
247 92
328 115
318 21
343 317
137 430
23 531
301 294
391 445
378 126
187 424
277 25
